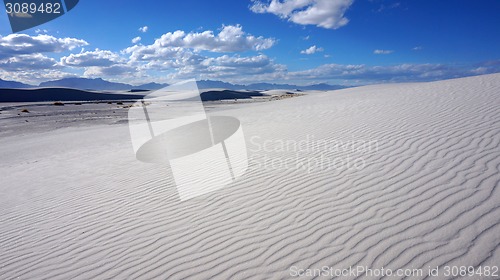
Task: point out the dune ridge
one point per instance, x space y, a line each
76 204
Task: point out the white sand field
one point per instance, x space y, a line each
399 176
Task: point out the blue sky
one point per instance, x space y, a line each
294 41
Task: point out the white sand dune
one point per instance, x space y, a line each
76 204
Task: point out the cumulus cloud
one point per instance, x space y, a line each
136 40
231 38
114 70
33 77
417 48
100 63
179 53
312 50
144 29
383 51
156 52
237 65
392 73
32 62
176 53
22 58
186 65
92 58
232 68
486 67
21 53
18 44
322 13
232 61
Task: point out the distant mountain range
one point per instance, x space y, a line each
83 84
100 84
12 84
86 84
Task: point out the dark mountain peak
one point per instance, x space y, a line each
86 83
13 84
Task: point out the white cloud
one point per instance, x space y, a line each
383 51
122 70
322 13
417 48
24 53
22 59
155 52
28 62
393 73
136 40
17 44
486 67
231 38
186 65
312 50
33 77
175 54
179 53
144 29
100 63
239 65
92 58
231 68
